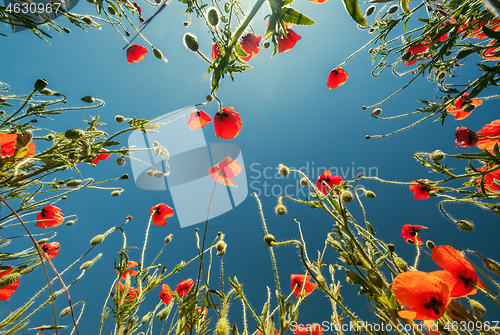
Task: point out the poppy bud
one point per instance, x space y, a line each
74 183
50 137
407 55
469 107
119 118
88 99
283 170
87 20
185 24
150 173
393 9
280 209
346 196
376 111
370 194
401 264
391 247
269 240
213 17
158 54
97 240
430 244
127 33
74 134
88 264
124 176
304 182
116 193
221 248
266 45
168 238
410 241
42 241
375 278
209 98
370 10
191 42
222 327
465 225
158 174
66 30
9 279
40 84
70 222
65 312
437 155
367 137
163 314
491 265
47 91
145 319
111 294
120 161
477 306
432 193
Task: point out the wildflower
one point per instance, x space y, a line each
160 212
489 135
425 294
51 249
227 123
7 291
130 294
416 50
287 42
478 32
421 191
260 333
489 180
459 274
329 180
336 78
465 137
136 53
101 157
224 171
166 294
215 51
130 264
410 232
490 53
299 282
49 217
458 110
198 119
312 329
137 7
250 43
184 286
8 145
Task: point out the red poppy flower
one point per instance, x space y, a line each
137 7
224 171
215 51
460 103
425 294
416 50
312 329
198 119
250 43
49 217
462 26
166 294
459 274
130 264
465 137
260 333
318 1
7 291
490 53
410 232
489 179
101 157
8 146
421 191
329 180
160 212
184 286
297 282
336 78
287 42
131 292
489 135
478 32
136 53
51 249
227 123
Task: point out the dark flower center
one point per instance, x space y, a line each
467 281
435 305
414 232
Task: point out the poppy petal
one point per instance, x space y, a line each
198 119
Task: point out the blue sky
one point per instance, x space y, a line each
289 117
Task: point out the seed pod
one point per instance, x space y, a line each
168 238
213 17
491 265
370 194
40 84
465 225
347 196
376 111
430 244
269 240
393 9
437 155
191 42
283 170
97 240
74 134
469 108
370 10
119 118
304 182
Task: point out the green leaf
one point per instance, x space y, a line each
293 16
352 8
491 33
404 4
239 51
466 52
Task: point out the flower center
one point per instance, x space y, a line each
435 305
467 281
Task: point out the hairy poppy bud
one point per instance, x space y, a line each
9 279
42 241
476 305
209 98
283 170
97 240
168 238
47 91
158 174
150 173
346 196
158 54
40 84
191 42
375 278
88 99
437 155
88 264
367 137
222 327
269 240
391 247
70 222
145 319
65 312
119 118
370 194
280 209
120 161
376 111
491 265
116 193
163 313
74 134
124 176
87 20
393 9
185 24
213 17
401 264
111 10
66 30
304 182
430 244
469 108
465 225
266 45
370 10
221 248
74 183
50 137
